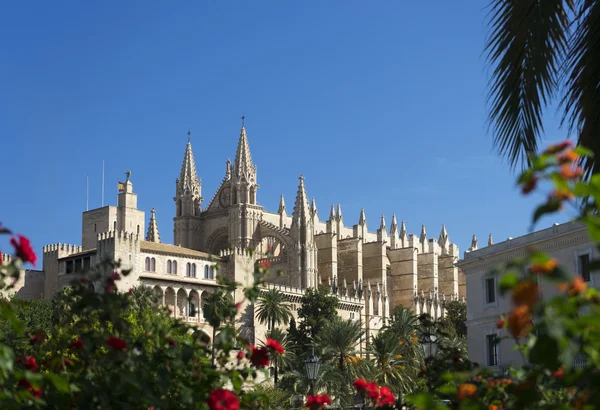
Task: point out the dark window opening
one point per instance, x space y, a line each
492 350
70 267
490 290
584 266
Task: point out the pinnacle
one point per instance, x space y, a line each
423 236
394 225
382 225
153 235
188 178
443 239
313 208
490 240
402 228
301 213
242 165
332 213
474 243
281 205
339 212
363 219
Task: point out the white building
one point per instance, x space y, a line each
569 243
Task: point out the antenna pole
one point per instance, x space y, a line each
102 182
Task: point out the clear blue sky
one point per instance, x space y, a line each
380 105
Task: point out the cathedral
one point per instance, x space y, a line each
370 272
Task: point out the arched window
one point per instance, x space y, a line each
212 272
153 265
147 265
206 272
169 266
188 269
193 270
174 267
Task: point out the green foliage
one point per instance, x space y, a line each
318 308
273 308
453 323
36 317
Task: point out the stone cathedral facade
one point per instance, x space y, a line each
371 272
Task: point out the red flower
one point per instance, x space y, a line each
238 306
116 343
373 390
360 384
529 185
259 357
36 338
265 264
29 363
500 324
317 401
221 399
115 276
36 391
77 344
386 397
240 355
274 344
559 373
23 249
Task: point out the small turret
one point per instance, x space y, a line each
444 240
338 214
313 210
332 213
382 231
423 237
490 240
281 209
394 238
362 220
474 243
403 234
152 235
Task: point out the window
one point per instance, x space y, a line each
188 269
174 268
147 265
70 267
169 266
492 350
87 262
490 290
153 265
352 315
212 272
193 270
206 272
584 266
114 225
192 309
94 227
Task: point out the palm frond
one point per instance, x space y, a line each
527 46
581 101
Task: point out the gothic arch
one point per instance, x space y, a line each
265 230
218 240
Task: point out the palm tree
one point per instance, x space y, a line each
403 321
217 305
273 308
337 341
142 297
394 363
280 360
541 51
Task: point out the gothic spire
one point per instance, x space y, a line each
188 178
423 237
242 165
153 235
402 228
281 205
474 243
394 225
363 219
338 214
301 213
382 226
443 239
313 209
332 213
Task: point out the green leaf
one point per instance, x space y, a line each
60 383
549 207
508 281
583 152
6 312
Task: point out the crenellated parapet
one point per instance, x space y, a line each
61 249
6 259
